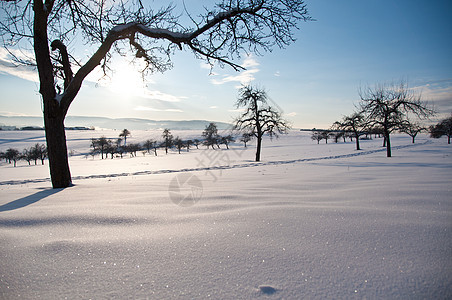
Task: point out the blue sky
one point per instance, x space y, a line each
315 80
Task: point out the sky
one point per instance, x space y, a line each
314 81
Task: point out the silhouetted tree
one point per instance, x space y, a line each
259 117
188 143
179 143
227 140
12 155
412 129
125 133
219 34
317 136
210 135
444 127
167 140
100 145
133 148
27 155
388 106
356 124
246 137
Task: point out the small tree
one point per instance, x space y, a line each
259 117
179 143
317 136
412 129
124 134
210 135
148 144
388 106
167 139
246 137
12 155
27 155
444 127
355 124
100 145
133 148
227 140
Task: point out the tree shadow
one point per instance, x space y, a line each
27 200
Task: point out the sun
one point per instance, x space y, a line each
127 80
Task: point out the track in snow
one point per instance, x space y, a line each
214 168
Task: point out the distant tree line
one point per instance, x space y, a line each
34 154
111 148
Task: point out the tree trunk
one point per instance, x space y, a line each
57 151
258 149
357 142
53 114
388 145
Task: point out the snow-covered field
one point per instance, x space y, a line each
308 222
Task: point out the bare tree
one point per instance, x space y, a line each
227 140
179 144
444 127
317 136
210 135
355 124
124 134
167 139
259 118
49 26
412 129
12 155
388 106
246 137
100 145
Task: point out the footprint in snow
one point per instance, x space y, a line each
266 289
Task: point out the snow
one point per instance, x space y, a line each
308 222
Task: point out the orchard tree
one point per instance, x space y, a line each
179 144
47 27
444 127
412 129
317 135
356 124
12 155
210 135
227 140
167 139
246 137
259 117
124 134
388 106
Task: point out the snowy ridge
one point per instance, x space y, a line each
213 168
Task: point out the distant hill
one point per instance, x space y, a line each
111 123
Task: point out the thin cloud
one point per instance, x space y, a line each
7 65
157 95
147 108
439 93
244 77
292 114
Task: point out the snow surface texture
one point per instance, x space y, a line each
309 222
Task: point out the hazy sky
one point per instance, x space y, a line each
315 81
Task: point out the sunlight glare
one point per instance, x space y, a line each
127 80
